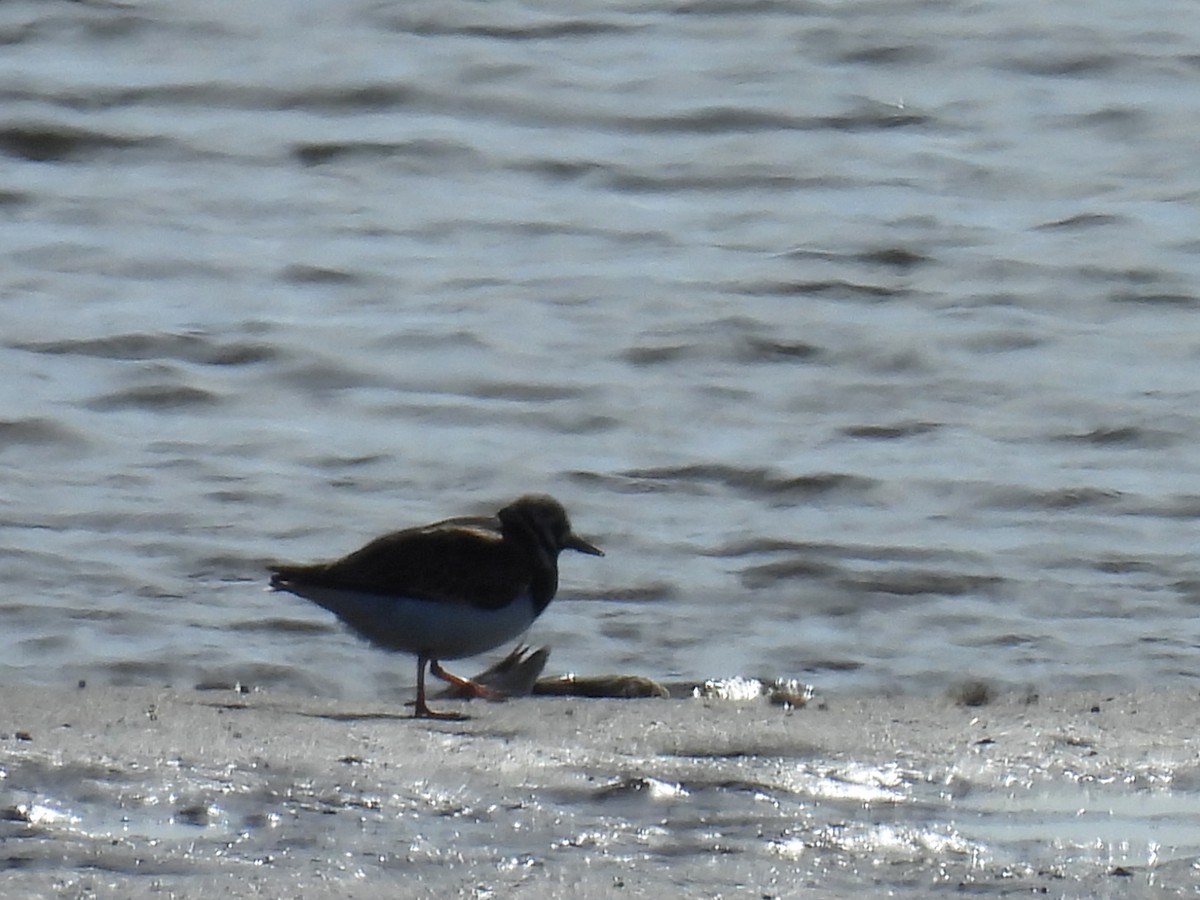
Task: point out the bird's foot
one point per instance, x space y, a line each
421 711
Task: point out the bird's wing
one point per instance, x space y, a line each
457 561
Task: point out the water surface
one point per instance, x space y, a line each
861 336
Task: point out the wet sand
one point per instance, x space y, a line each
152 793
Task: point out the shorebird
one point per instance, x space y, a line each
447 590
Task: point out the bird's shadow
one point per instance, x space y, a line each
353 717
479 727
358 716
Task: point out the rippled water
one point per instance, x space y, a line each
861 336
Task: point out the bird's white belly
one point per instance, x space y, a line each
442 630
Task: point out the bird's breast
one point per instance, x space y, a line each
442 629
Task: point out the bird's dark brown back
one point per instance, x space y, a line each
459 560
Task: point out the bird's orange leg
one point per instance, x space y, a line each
420 709
474 688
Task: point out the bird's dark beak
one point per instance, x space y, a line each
575 542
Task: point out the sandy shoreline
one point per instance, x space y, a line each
141 792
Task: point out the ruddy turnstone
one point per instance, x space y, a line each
447 590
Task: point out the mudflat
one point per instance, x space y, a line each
147 793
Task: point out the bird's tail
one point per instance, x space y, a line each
281 575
